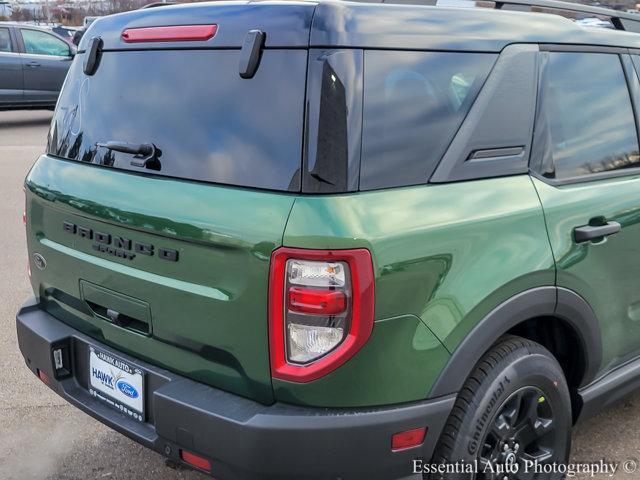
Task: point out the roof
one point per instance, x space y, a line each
370 25
359 25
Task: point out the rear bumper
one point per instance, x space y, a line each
243 439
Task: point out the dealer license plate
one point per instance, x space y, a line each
116 383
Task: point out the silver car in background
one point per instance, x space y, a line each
33 65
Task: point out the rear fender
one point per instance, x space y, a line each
537 302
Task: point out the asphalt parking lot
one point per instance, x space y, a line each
42 437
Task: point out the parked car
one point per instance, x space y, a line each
66 33
33 65
594 22
79 33
285 240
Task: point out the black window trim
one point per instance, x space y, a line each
313 99
561 47
455 168
634 95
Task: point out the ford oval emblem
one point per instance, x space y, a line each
128 389
39 261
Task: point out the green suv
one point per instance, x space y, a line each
291 240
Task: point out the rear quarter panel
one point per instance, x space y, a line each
444 256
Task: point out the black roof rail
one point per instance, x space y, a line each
157 4
629 22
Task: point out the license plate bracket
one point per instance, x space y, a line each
117 383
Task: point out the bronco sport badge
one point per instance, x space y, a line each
116 246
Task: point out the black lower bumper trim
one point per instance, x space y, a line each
242 438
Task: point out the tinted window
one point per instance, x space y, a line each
42 43
586 123
5 40
414 102
207 123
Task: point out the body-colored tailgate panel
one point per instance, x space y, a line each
208 307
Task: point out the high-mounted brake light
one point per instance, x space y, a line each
321 307
172 33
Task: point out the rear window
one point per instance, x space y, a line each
414 103
206 122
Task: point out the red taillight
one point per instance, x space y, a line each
317 302
45 378
24 212
195 460
173 33
24 222
408 439
321 308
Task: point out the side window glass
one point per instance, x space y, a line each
414 103
585 124
5 40
42 43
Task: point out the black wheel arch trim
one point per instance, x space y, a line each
537 302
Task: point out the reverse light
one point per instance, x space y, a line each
408 439
321 306
195 460
171 33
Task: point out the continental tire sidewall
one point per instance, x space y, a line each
517 370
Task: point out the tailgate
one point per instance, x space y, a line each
205 294
165 254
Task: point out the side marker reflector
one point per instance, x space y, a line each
408 439
45 378
195 460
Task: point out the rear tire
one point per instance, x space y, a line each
513 409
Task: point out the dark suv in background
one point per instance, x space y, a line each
33 65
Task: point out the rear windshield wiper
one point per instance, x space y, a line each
145 154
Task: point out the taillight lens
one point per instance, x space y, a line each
172 33
24 222
24 212
318 302
321 310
